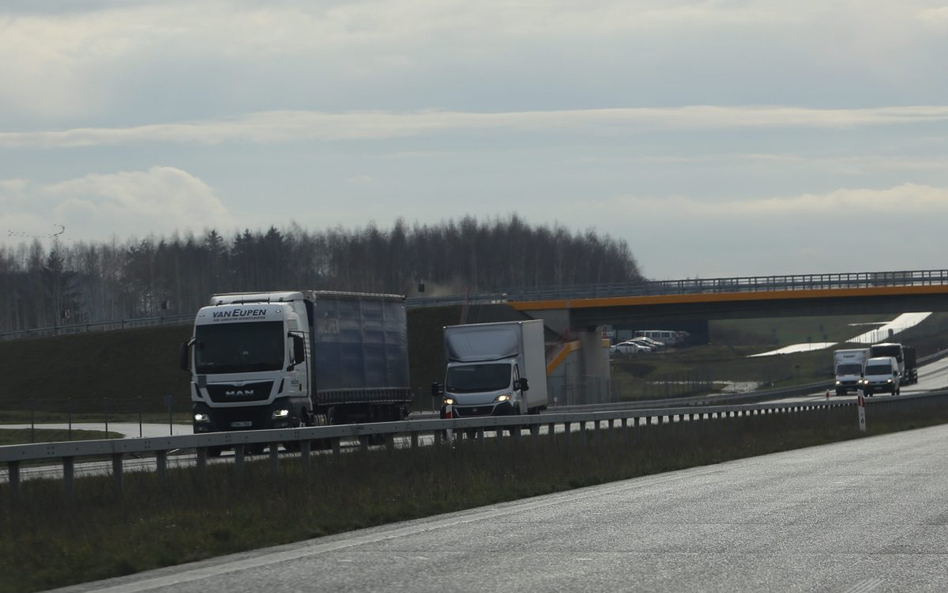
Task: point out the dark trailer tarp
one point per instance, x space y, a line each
360 347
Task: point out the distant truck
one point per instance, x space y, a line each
881 374
904 355
304 358
494 369
848 367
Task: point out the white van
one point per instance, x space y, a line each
881 374
666 337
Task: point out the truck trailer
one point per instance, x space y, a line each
494 369
300 358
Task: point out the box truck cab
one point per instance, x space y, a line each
881 374
848 368
494 369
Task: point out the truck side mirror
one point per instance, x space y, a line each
437 389
184 356
299 349
524 384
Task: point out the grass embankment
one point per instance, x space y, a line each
46 543
122 373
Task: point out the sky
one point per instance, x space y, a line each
717 138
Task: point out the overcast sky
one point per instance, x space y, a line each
717 138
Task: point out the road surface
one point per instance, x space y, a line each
859 516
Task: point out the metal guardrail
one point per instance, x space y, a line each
305 438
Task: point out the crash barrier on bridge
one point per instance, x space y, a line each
306 440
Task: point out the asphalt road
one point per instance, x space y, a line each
866 515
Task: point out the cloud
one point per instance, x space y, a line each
161 200
840 204
295 126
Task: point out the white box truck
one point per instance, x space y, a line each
494 369
303 358
848 366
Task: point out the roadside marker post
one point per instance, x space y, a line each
861 404
448 416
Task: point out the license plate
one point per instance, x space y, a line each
241 424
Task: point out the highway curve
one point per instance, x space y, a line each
865 515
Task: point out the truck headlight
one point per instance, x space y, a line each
201 418
838 382
448 401
281 413
888 380
502 398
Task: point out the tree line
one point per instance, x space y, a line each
75 283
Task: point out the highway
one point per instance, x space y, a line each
859 516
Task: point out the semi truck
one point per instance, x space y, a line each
904 356
298 358
848 367
494 369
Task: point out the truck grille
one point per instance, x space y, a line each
248 392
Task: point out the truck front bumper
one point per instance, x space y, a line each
500 409
242 418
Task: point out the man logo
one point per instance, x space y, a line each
238 393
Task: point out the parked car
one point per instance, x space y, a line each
650 343
629 348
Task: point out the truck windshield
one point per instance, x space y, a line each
238 347
878 369
894 351
478 377
849 369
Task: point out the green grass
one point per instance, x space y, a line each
21 436
46 543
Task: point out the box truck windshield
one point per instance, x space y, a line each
239 347
476 378
848 369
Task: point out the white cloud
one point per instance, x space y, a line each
292 126
159 200
841 204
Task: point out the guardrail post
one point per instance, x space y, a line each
438 437
480 434
414 439
390 442
202 464
582 431
117 472
69 472
305 449
335 447
568 431
274 457
596 431
239 455
161 466
13 473
551 430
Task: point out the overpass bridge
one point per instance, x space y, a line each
742 297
